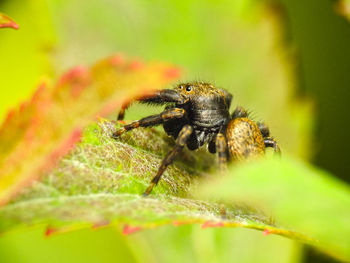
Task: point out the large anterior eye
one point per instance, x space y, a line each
188 88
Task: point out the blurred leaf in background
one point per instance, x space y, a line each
7 22
297 195
24 54
47 126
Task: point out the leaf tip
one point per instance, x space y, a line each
40 90
267 232
50 231
10 25
6 22
15 26
10 114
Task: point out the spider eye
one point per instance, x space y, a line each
188 88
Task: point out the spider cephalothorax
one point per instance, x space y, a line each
197 113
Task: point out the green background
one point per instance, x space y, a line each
56 35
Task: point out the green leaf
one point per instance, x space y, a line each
101 182
300 196
47 126
5 21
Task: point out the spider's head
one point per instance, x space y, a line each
204 95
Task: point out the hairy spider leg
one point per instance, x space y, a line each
152 120
121 113
221 147
239 112
158 97
180 142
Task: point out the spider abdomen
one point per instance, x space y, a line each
244 139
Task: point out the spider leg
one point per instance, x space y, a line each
164 96
221 148
158 97
180 142
121 113
271 142
152 120
268 141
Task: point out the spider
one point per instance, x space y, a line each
197 113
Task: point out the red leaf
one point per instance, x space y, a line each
47 126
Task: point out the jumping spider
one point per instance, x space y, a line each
198 113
